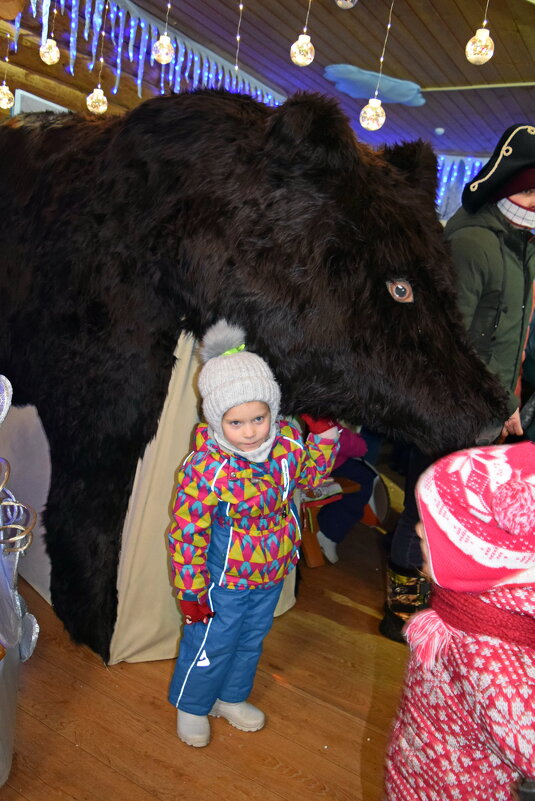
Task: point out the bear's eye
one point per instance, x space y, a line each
401 291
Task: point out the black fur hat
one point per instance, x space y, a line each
514 152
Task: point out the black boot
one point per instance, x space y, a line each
407 592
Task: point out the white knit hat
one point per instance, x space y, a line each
232 375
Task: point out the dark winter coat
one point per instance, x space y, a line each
495 265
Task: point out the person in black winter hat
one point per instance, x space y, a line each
494 255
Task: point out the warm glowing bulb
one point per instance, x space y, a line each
346 3
372 116
302 51
163 51
480 48
97 101
6 97
49 52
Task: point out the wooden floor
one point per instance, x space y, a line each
328 682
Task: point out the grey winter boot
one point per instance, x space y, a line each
193 729
243 715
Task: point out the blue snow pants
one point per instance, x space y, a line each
219 659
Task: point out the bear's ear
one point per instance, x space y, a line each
312 130
418 161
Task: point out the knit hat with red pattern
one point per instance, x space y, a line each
477 507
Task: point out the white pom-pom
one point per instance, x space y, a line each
428 636
513 505
219 338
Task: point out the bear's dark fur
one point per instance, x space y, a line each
118 233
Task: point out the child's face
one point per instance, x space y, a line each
426 566
247 425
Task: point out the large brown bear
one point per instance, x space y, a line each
118 233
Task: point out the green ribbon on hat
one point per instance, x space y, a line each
234 350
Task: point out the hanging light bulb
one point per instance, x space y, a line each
346 3
49 52
480 48
302 51
163 50
372 117
6 97
97 102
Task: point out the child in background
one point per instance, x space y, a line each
465 728
235 534
336 519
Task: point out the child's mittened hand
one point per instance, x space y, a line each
317 425
195 612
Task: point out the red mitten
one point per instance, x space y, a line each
195 612
317 425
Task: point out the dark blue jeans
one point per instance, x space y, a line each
405 550
338 518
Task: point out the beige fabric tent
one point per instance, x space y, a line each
148 621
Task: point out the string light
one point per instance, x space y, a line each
6 96
238 39
372 116
302 52
346 3
163 50
49 52
480 48
123 28
97 101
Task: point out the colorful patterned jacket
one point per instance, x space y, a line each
234 521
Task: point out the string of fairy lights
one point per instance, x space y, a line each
479 49
6 95
96 101
373 116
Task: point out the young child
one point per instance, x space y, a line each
465 728
335 520
235 534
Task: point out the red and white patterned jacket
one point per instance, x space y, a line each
465 730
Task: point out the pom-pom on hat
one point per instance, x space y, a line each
232 375
478 511
514 152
